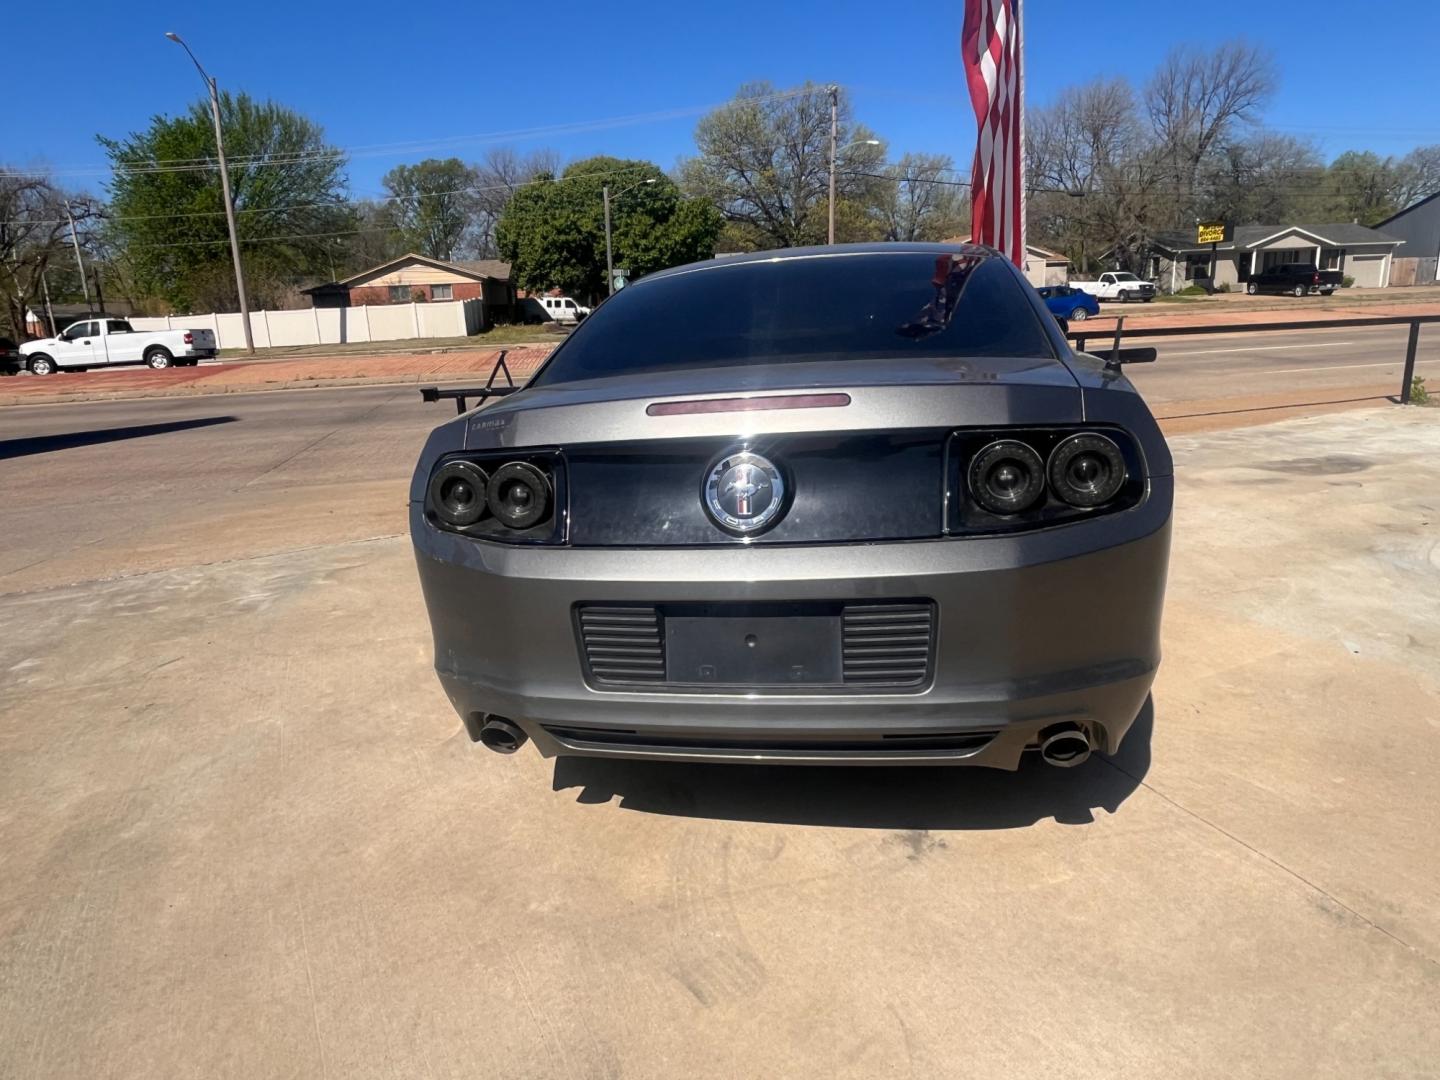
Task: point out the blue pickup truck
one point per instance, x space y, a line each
1073 305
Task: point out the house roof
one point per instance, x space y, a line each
478 269
490 268
1413 206
1045 253
1030 249
1340 234
114 309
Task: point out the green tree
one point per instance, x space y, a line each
433 204
553 233
167 212
764 161
1363 187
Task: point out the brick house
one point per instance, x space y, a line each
419 279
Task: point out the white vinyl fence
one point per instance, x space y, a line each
332 326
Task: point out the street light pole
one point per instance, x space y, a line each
225 190
609 257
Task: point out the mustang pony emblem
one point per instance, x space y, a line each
744 493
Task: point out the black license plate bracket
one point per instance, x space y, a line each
746 650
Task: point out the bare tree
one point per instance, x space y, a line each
1269 177
764 160
923 201
34 234
1093 177
499 175
1417 175
1196 100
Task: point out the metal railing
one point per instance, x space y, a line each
1117 355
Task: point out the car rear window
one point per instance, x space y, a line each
807 308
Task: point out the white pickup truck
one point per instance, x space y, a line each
1120 285
103 341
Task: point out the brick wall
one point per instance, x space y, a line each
380 294
369 294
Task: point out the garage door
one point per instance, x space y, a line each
1366 269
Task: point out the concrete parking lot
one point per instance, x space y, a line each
242 833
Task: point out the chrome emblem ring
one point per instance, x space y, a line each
744 492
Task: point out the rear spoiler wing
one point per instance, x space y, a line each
462 394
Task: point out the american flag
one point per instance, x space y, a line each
990 46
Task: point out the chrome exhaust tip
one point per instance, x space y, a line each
1065 748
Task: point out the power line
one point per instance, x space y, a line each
400 148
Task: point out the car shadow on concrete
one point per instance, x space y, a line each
870 798
68 440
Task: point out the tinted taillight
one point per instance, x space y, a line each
189 338
513 497
1002 480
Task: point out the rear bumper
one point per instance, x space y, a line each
1055 627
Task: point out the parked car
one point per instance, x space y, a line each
10 362
788 507
1070 304
1118 285
103 341
563 309
1297 279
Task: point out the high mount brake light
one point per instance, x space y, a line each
747 404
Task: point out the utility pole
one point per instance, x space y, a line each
49 311
834 137
211 85
609 257
79 264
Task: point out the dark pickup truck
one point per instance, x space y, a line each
1297 279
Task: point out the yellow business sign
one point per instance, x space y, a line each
1210 232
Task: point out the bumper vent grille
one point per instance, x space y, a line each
887 644
622 644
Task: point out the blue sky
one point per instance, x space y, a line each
376 74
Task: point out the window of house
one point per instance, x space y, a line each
1283 256
1330 258
399 294
442 292
1197 266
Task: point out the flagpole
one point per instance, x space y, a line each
1020 123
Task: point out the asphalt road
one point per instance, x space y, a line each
166 481
1207 366
103 488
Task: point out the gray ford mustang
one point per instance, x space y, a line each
836 505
